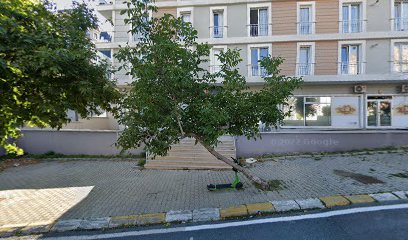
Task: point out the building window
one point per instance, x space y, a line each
215 63
186 17
401 15
308 111
258 22
257 54
305 59
352 21
218 24
306 18
351 59
400 57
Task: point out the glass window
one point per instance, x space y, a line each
305 20
352 21
308 111
401 15
258 20
401 57
258 54
350 59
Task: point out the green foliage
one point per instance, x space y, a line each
47 66
174 95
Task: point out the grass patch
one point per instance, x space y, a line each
273 185
400 175
141 162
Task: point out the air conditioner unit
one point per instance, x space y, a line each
404 88
360 89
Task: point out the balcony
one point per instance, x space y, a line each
215 68
305 28
304 69
347 68
401 24
218 31
256 71
401 66
105 37
256 30
353 26
105 2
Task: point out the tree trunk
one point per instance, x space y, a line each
261 182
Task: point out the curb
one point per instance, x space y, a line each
197 215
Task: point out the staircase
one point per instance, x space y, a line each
186 155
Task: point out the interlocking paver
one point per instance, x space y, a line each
61 190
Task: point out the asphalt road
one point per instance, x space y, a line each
371 223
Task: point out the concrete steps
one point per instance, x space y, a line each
186 155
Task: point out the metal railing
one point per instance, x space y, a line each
305 28
105 37
351 68
353 26
401 24
105 2
256 30
257 70
215 68
401 66
303 69
217 31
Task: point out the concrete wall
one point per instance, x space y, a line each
237 20
71 142
378 56
378 15
319 142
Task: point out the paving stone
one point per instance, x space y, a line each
66 225
234 211
362 198
256 208
206 214
152 218
310 203
283 206
400 194
95 223
119 221
381 197
332 201
179 216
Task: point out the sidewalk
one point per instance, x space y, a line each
60 190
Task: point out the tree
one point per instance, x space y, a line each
175 96
48 65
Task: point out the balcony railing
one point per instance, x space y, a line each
304 69
348 68
353 26
401 24
215 68
105 2
217 31
257 70
105 37
401 66
305 28
256 30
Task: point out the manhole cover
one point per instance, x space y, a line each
358 177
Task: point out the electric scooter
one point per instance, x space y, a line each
237 184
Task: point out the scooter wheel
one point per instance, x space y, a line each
239 185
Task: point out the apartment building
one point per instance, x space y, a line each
352 54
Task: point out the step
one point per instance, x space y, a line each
185 163
181 167
185 159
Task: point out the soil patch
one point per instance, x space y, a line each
9 163
358 177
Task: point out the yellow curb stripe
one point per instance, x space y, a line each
360 198
255 208
238 211
333 201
